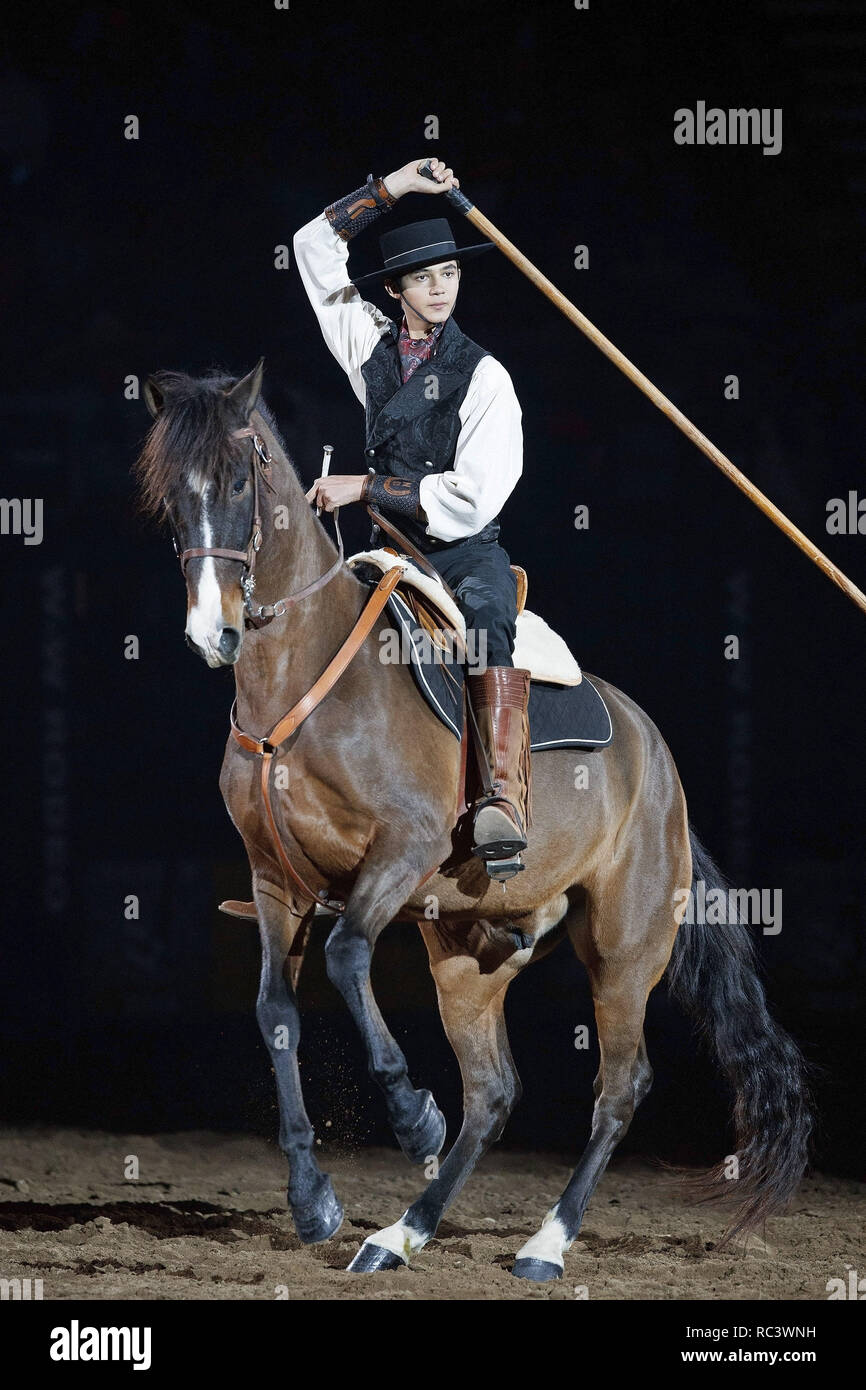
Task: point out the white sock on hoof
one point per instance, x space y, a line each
550 1243
399 1239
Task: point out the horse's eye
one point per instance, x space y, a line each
240 484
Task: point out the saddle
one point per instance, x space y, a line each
431 614
537 647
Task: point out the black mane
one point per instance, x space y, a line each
192 435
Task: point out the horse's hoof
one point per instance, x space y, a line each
542 1271
371 1258
427 1135
320 1217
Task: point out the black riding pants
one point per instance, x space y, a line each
480 574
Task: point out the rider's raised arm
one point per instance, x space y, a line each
350 325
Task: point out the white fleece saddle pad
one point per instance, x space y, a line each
537 647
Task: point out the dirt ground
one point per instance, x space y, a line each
206 1219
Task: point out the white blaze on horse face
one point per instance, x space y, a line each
204 618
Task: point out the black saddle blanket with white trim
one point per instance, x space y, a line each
560 716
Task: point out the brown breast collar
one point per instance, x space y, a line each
268 748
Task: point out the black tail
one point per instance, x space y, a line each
712 973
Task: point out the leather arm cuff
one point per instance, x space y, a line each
399 495
353 214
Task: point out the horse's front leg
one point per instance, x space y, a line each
283 927
381 889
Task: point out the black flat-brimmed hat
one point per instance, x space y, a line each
419 243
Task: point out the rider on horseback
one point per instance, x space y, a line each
444 447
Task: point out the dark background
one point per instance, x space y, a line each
120 257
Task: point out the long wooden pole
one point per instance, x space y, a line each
643 383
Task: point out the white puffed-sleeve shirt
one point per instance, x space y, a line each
488 459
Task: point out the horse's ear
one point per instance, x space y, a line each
246 392
153 397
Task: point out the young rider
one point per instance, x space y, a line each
444 448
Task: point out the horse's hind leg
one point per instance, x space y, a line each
625 1078
623 968
283 926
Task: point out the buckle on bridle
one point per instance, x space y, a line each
258 616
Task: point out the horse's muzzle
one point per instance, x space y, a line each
225 653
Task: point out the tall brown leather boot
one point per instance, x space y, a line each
500 699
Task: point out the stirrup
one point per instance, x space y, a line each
499 870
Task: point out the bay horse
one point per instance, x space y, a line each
364 794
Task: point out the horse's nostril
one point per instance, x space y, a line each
230 640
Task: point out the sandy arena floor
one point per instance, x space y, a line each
207 1219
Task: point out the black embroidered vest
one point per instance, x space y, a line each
412 429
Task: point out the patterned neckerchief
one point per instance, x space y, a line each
414 351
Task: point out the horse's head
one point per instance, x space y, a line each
205 468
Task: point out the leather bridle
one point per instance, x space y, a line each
256 615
